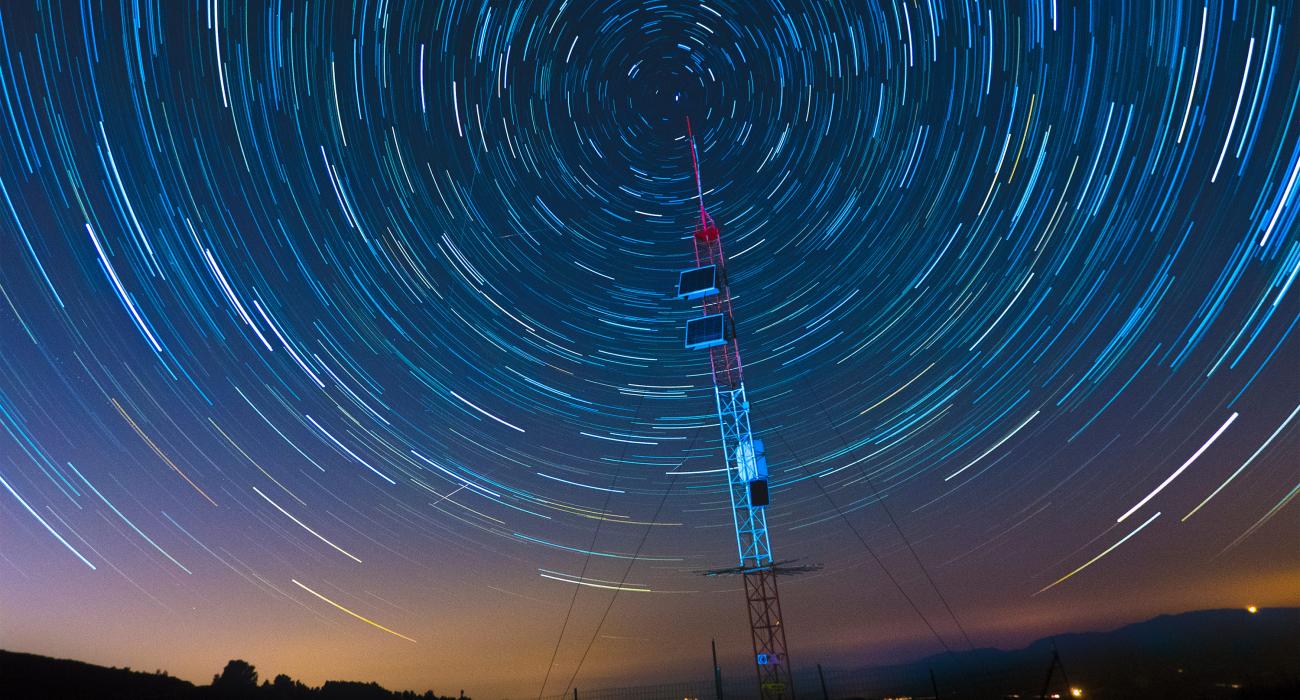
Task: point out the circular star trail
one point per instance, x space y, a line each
313 309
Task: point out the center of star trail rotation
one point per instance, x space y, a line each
342 336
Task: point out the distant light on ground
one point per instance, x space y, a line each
1076 692
1252 609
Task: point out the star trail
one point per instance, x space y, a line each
342 336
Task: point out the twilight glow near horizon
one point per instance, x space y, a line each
342 338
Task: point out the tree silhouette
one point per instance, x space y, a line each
286 688
239 675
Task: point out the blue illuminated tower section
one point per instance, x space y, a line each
743 456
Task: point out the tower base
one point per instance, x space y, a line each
770 657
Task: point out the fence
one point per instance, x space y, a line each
983 680
810 684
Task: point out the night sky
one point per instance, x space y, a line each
342 339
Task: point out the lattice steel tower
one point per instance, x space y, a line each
743 455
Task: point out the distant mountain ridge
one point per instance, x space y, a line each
1200 654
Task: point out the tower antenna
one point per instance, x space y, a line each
695 166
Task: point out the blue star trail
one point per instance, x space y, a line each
364 312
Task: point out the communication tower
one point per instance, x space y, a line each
746 463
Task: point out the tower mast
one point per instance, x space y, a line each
743 456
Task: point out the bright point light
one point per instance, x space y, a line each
1252 609
1076 692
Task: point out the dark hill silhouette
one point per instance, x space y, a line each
32 677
